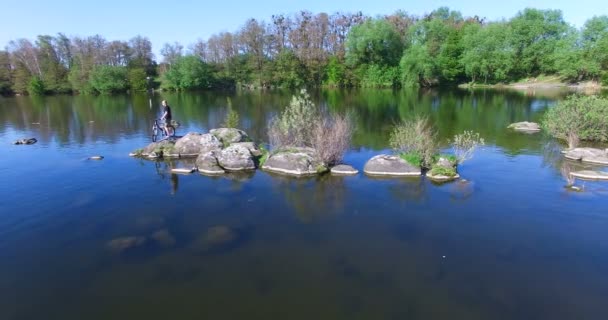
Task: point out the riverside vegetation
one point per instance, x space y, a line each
306 49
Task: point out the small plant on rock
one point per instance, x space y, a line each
232 117
415 139
464 145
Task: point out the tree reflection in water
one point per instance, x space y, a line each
313 198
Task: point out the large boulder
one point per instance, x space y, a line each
207 163
591 155
194 143
236 157
230 135
294 161
389 165
525 126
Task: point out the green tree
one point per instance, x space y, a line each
109 79
137 79
36 87
5 73
374 42
487 54
187 73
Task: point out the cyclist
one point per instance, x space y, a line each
166 116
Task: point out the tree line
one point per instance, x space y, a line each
306 49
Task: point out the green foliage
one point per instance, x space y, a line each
137 79
295 126
109 79
79 79
36 87
415 136
289 72
464 144
417 67
374 42
487 54
578 117
412 158
187 73
264 156
232 117
443 171
376 76
335 73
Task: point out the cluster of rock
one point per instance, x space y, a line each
395 166
228 149
220 150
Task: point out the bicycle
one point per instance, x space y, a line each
157 126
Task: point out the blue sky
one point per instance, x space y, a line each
186 21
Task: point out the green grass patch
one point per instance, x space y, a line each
443 171
412 158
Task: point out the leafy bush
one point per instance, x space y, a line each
302 124
578 117
296 125
232 117
464 145
264 156
36 87
109 79
415 136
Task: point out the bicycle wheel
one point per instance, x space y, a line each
154 133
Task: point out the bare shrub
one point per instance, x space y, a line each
332 137
415 137
302 124
572 139
464 145
565 170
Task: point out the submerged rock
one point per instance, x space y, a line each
441 178
344 169
119 245
389 165
230 135
525 126
216 238
294 161
163 238
26 141
95 158
591 155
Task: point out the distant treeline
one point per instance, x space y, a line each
306 49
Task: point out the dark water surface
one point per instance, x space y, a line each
510 243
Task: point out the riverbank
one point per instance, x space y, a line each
541 82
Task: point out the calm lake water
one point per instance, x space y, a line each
509 243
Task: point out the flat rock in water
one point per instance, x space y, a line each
590 175
591 155
441 178
236 157
96 158
344 169
389 165
182 170
294 161
193 144
525 126
26 141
